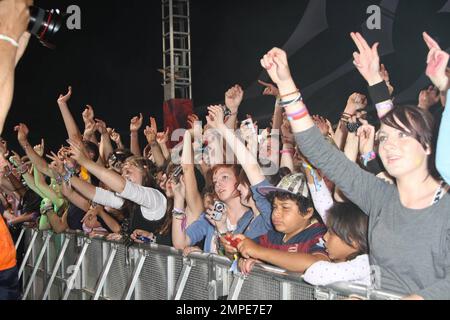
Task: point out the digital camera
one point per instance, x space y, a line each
218 211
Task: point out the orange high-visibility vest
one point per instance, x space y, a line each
7 249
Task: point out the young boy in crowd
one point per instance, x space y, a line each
297 230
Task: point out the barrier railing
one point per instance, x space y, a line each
72 266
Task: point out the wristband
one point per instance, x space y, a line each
365 158
289 102
9 39
289 94
379 92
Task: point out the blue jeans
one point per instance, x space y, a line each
9 284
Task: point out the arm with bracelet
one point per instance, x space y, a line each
352 180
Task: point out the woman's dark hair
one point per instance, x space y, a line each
243 179
421 126
92 148
303 203
148 180
350 224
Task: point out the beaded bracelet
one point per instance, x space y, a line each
287 103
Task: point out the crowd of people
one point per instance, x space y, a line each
329 201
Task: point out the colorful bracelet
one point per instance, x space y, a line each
365 158
299 115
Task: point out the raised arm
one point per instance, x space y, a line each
247 160
193 198
233 99
151 134
437 62
36 160
271 90
71 126
359 186
14 17
106 148
135 125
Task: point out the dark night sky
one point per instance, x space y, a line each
112 61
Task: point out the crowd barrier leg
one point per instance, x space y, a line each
236 287
48 235
286 290
73 277
105 272
179 288
27 254
136 272
170 277
56 267
22 232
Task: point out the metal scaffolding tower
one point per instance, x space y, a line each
176 31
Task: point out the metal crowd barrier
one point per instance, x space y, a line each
72 266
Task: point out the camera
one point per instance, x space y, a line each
45 25
353 127
226 111
177 174
218 211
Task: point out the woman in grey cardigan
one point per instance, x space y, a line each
409 223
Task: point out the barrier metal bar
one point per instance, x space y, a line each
27 254
56 267
236 287
48 235
170 277
285 289
22 232
136 272
74 275
181 283
105 272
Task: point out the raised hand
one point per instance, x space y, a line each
276 64
270 89
88 114
22 133
367 60
215 116
428 98
437 62
89 129
136 123
39 149
322 124
63 99
115 136
233 98
57 164
355 102
78 151
151 131
366 134
100 126
162 137
191 119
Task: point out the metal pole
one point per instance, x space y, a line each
72 278
38 262
22 232
55 269
27 254
137 271
105 271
